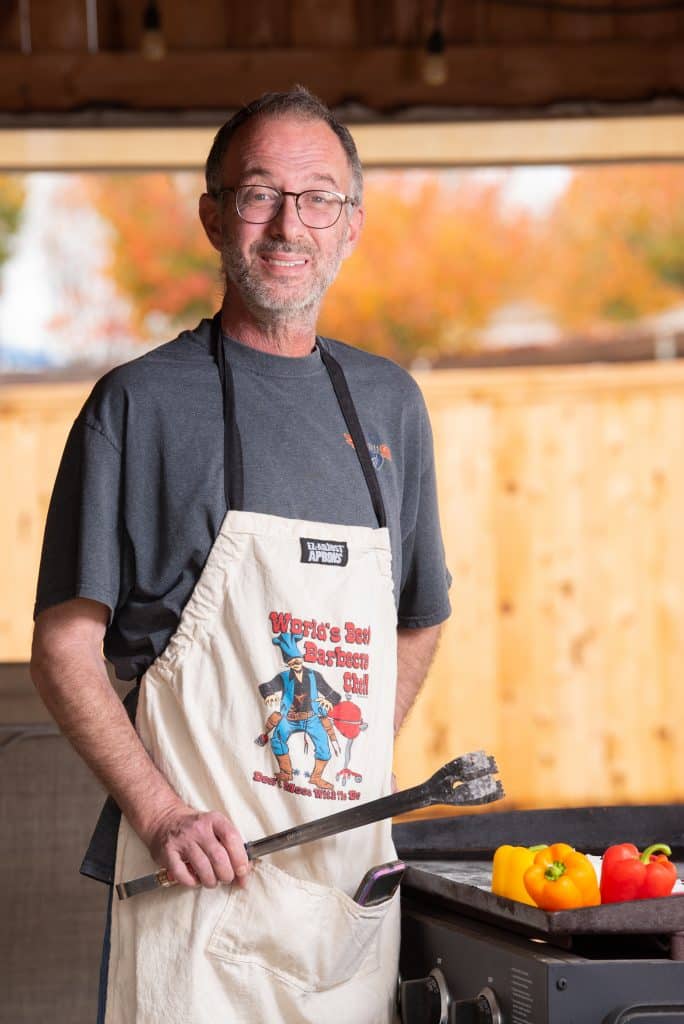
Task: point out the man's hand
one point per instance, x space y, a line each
199 847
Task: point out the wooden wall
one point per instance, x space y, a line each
562 498
562 494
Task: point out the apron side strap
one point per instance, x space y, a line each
351 418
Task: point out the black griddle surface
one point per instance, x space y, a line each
465 886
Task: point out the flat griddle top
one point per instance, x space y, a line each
465 886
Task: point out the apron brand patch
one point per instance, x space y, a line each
324 552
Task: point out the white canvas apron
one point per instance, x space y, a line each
237 729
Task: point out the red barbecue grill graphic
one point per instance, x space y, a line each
349 723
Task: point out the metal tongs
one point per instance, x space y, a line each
466 781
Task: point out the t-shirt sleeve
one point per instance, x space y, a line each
425 579
82 541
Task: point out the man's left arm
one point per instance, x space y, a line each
415 651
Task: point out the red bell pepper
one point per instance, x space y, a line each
628 875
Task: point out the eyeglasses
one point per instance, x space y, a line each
316 208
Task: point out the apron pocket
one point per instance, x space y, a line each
309 935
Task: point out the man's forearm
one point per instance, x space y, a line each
73 683
415 651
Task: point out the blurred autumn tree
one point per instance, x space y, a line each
613 246
160 258
12 196
438 255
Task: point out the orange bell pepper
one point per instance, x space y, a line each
562 879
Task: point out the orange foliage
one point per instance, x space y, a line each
437 256
613 246
161 260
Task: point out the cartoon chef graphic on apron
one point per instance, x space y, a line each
292 945
304 701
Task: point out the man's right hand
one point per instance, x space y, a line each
198 847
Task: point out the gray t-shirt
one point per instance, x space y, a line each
139 495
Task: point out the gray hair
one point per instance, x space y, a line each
298 102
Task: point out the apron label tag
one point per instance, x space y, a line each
324 552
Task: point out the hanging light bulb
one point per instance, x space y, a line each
152 44
434 69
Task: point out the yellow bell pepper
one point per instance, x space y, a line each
562 879
508 869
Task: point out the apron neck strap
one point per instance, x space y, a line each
233 480
344 398
233 469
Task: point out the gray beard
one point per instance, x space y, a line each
263 300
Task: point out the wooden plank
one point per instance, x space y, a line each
8 466
507 24
618 567
112 26
391 145
504 77
34 423
668 498
184 27
517 657
58 27
318 23
121 24
10 37
374 23
410 23
463 22
194 26
259 24
659 25
582 27
458 708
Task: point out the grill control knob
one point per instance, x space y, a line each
483 1009
425 1000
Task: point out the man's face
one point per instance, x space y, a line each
295 664
284 268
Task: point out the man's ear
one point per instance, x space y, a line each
210 215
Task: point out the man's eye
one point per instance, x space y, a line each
257 196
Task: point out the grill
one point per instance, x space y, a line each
470 957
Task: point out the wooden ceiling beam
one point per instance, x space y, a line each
383 79
551 141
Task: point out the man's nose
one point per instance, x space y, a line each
286 222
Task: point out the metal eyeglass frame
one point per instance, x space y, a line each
343 200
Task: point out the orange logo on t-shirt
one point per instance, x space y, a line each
379 453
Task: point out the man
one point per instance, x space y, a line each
250 413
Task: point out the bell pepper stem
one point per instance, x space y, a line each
656 848
554 871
